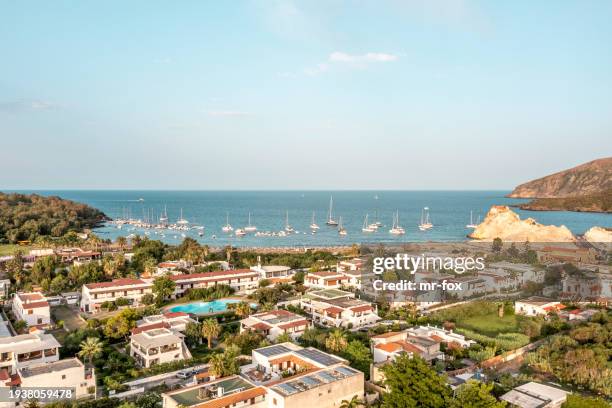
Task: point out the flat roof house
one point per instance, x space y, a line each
176 321
241 280
27 349
335 308
68 373
31 307
535 395
537 306
156 345
325 280
274 323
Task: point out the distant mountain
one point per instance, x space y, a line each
598 202
592 178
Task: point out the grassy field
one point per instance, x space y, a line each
8 249
490 324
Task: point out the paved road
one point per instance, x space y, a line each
165 378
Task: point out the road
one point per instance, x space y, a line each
170 379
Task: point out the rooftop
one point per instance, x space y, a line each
313 380
534 395
156 338
327 294
46 368
206 392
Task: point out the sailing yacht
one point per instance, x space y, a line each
163 219
471 224
182 221
250 228
227 227
313 224
367 227
330 214
396 229
240 232
288 228
341 229
425 223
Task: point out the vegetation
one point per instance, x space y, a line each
90 349
211 330
27 217
580 358
578 401
474 394
598 202
163 288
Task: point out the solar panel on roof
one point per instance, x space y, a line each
310 381
318 356
345 370
327 378
273 350
287 389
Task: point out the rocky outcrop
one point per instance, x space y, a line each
502 222
599 237
590 178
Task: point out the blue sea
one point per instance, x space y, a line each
449 212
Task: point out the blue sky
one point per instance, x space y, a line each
398 94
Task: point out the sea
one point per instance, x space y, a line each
449 212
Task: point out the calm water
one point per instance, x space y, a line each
215 306
449 212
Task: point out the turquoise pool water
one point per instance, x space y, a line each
214 306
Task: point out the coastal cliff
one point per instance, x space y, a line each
502 222
587 188
590 178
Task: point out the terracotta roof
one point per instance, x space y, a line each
170 315
115 283
409 347
151 326
297 323
333 309
437 338
554 307
30 297
34 305
204 275
363 308
388 347
260 326
233 398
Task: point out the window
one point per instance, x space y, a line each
30 311
274 401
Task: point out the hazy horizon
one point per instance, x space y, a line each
404 95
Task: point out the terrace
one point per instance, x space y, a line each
209 391
313 380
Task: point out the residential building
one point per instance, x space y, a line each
537 306
325 280
156 345
31 307
93 295
78 255
336 308
67 373
274 323
241 280
176 321
172 267
572 254
274 273
27 349
535 395
232 391
71 298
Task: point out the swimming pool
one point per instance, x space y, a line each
200 308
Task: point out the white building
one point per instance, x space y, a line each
67 373
241 280
274 273
93 295
27 349
535 395
31 307
335 308
325 280
150 346
274 323
537 306
176 321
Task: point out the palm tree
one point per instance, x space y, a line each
90 348
243 309
353 403
336 341
217 365
211 330
121 241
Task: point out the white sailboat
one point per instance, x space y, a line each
341 229
288 227
376 224
163 219
471 224
367 227
396 229
240 232
330 214
181 220
313 224
425 222
227 227
249 227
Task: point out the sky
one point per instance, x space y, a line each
387 94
